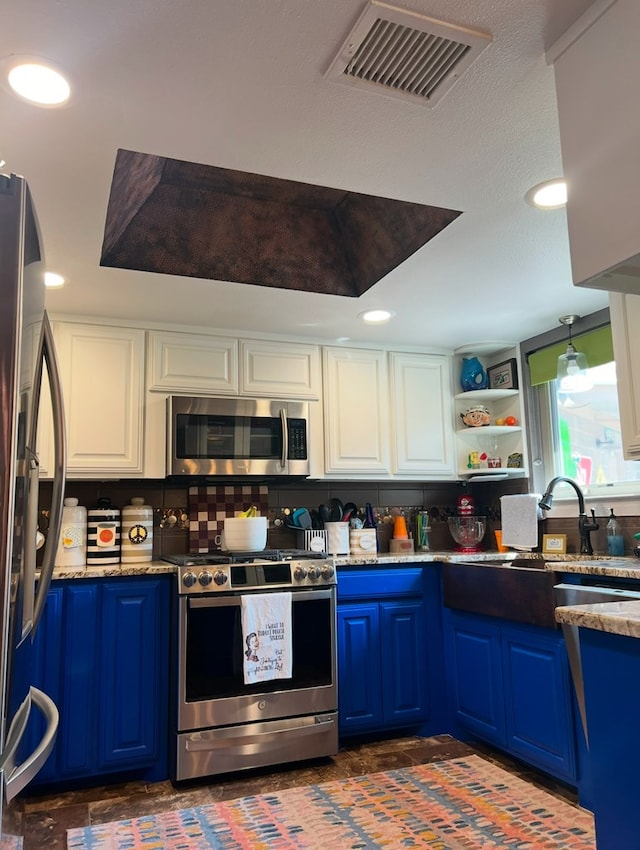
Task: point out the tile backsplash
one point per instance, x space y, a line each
209 506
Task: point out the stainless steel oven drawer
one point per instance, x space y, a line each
213 751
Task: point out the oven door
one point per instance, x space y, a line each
211 688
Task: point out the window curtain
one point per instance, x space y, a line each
597 345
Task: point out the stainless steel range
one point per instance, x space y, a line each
223 724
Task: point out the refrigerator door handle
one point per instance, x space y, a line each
48 355
16 777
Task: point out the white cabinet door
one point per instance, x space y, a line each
102 370
356 411
625 321
421 414
279 370
597 92
192 363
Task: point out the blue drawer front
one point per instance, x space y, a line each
381 583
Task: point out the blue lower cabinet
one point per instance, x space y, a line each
611 669
539 708
509 685
382 651
101 652
474 667
359 668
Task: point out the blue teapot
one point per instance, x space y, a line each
473 375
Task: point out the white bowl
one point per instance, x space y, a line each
245 534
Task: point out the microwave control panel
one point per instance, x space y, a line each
297 436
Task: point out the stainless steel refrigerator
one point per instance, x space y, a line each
27 357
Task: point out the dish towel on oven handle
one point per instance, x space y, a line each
266 635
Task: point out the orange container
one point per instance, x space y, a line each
400 528
498 534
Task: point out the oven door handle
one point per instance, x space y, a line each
196 744
212 601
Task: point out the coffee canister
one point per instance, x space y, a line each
103 533
137 532
72 546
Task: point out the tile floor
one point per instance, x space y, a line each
46 818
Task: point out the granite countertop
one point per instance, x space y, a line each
597 565
114 570
618 618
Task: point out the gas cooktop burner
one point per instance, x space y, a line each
204 559
244 572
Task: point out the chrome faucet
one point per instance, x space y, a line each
585 525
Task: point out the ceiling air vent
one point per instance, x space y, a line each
405 54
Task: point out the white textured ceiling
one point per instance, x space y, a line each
240 84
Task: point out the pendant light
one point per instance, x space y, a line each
572 374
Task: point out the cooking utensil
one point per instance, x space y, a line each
337 510
350 509
302 518
325 514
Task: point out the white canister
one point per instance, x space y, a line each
72 546
337 538
363 541
103 533
137 532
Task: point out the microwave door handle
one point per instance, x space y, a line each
285 438
60 464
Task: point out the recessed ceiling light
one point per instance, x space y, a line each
550 195
376 317
39 83
53 280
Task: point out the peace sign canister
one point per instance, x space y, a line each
137 532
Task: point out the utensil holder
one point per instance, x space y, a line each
337 538
312 540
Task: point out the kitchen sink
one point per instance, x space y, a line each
519 590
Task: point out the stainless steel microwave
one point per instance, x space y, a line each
237 436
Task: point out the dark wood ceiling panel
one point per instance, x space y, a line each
181 218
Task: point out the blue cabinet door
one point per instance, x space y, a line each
79 670
359 674
538 702
133 685
102 653
474 669
404 662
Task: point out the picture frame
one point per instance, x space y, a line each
554 544
503 376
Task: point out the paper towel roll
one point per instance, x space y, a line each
520 515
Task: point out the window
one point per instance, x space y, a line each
584 439
578 435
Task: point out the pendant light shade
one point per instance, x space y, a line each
572 374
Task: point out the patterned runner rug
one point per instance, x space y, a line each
460 804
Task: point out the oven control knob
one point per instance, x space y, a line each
299 574
189 579
327 572
220 577
205 578
313 573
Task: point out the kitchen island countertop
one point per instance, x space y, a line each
616 618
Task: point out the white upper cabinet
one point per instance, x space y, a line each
625 321
205 364
421 421
102 373
193 363
387 414
597 71
280 370
356 411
